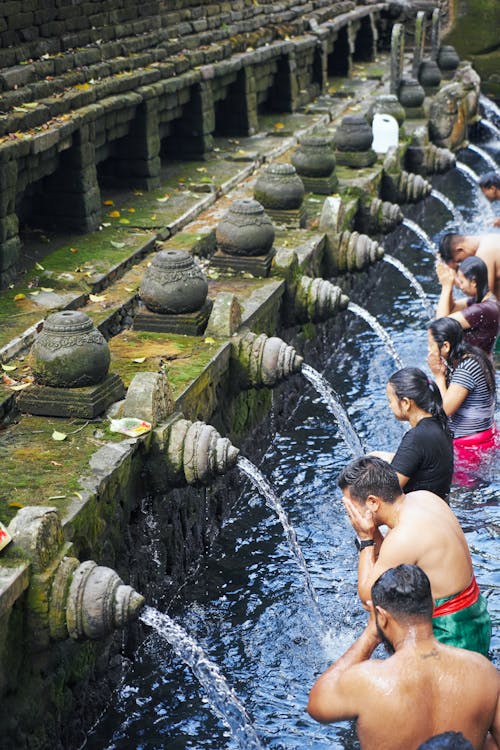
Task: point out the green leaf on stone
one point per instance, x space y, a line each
59 435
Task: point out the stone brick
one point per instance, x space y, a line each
9 254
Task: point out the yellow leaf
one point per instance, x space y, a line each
139 360
129 289
34 292
97 297
20 386
278 125
138 192
153 217
78 495
46 289
209 340
59 435
56 497
39 267
73 249
19 296
131 210
114 214
201 169
164 199
8 368
108 203
124 221
15 504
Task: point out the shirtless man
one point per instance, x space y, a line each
454 248
424 689
422 531
490 186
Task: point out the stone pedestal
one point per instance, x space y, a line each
256 265
85 403
189 324
295 218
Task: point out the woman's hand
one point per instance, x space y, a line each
445 274
437 364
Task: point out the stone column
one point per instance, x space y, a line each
397 56
10 243
192 134
137 156
71 195
418 53
435 34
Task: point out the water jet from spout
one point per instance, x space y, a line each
446 202
429 308
272 501
421 234
485 156
334 404
375 325
222 698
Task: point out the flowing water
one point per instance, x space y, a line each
493 131
472 176
334 404
246 606
490 109
221 697
428 306
447 203
421 234
485 156
379 330
272 501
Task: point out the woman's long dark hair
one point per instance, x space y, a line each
410 382
475 269
450 330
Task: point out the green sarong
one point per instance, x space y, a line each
468 628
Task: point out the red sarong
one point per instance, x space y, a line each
464 599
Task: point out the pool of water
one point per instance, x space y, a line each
247 606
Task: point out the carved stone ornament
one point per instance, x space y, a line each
279 187
353 134
266 361
173 283
411 94
69 352
196 453
314 157
448 59
387 104
245 229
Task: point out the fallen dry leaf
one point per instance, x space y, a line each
114 214
97 297
19 297
59 435
139 360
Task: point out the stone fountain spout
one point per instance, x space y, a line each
81 600
264 360
196 453
99 602
318 299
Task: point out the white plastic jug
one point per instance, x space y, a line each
385 133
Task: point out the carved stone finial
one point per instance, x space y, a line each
69 352
174 283
265 361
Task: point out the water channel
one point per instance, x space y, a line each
247 605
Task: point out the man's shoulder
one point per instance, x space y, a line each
489 246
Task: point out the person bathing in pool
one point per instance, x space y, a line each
424 457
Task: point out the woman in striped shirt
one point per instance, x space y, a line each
466 379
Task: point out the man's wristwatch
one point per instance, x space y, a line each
362 543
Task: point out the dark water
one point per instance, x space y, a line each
248 608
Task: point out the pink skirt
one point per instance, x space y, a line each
469 451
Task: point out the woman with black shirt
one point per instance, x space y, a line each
424 459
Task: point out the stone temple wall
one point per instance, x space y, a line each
104 89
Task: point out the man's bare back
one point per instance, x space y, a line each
423 689
429 532
489 251
430 684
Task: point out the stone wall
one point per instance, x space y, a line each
89 92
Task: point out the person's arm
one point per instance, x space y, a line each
338 693
393 551
447 304
388 456
453 395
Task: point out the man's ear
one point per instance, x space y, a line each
382 617
372 503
